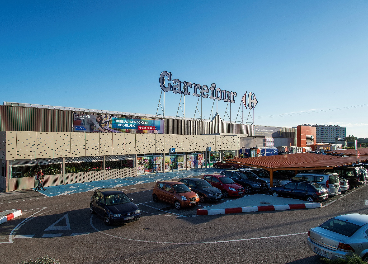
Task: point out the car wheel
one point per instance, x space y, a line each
201 198
365 258
91 210
107 220
155 198
310 199
177 205
275 194
225 194
247 189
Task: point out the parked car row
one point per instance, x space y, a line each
190 191
249 180
114 205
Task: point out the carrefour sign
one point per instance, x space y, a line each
176 86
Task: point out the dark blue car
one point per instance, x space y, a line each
114 206
302 190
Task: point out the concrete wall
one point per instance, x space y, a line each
54 180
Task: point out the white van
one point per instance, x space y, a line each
330 181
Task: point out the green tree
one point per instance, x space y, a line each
351 138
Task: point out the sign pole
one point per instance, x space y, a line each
201 107
164 105
230 112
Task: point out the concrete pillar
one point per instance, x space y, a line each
7 175
63 171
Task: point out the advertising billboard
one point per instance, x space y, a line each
113 124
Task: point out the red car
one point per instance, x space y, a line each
227 186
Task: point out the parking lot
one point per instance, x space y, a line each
63 228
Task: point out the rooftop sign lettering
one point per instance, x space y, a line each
176 86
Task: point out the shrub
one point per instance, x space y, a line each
355 259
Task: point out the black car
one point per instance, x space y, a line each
249 180
303 190
205 191
113 205
263 175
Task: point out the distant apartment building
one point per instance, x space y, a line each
329 134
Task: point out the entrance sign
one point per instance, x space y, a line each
176 86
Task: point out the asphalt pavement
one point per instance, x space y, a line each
248 203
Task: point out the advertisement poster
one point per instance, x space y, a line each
149 164
158 163
195 161
112 124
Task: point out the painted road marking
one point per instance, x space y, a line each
54 226
79 234
24 236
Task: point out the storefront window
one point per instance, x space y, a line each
20 171
119 164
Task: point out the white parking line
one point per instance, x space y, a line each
79 234
24 236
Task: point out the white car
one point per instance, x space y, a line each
341 236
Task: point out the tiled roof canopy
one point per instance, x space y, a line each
301 161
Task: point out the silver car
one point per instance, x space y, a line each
341 236
328 180
344 185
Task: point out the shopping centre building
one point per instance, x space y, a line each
74 145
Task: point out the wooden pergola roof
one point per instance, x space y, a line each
303 161
299 161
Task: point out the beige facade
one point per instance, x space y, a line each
16 145
29 146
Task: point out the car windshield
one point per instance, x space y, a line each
248 175
341 227
203 184
226 180
181 188
115 199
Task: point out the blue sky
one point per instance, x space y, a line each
306 61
